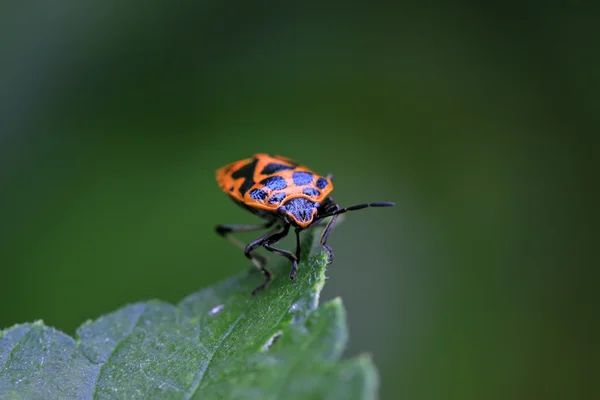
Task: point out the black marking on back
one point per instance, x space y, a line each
246 172
300 208
273 168
258 194
321 183
312 192
274 182
277 198
302 178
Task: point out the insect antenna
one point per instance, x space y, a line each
357 207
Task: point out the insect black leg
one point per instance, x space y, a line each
271 238
290 256
256 257
325 236
256 243
298 249
269 277
226 231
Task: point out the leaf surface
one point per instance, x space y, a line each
217 343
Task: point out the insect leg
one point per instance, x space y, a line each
325 236
298 249
227 230
289 255
255 258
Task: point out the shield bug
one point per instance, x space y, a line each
285 194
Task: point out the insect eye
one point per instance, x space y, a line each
281 210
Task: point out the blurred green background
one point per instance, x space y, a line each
477 120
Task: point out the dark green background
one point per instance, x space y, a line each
478 121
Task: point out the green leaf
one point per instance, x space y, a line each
218 343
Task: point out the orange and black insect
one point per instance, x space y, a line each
285 194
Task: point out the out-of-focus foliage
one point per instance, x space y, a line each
477 120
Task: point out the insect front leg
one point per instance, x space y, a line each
325 236
298 249
248 251
290 256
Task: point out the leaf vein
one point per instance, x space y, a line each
133 326
10 356
308 344
202 373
